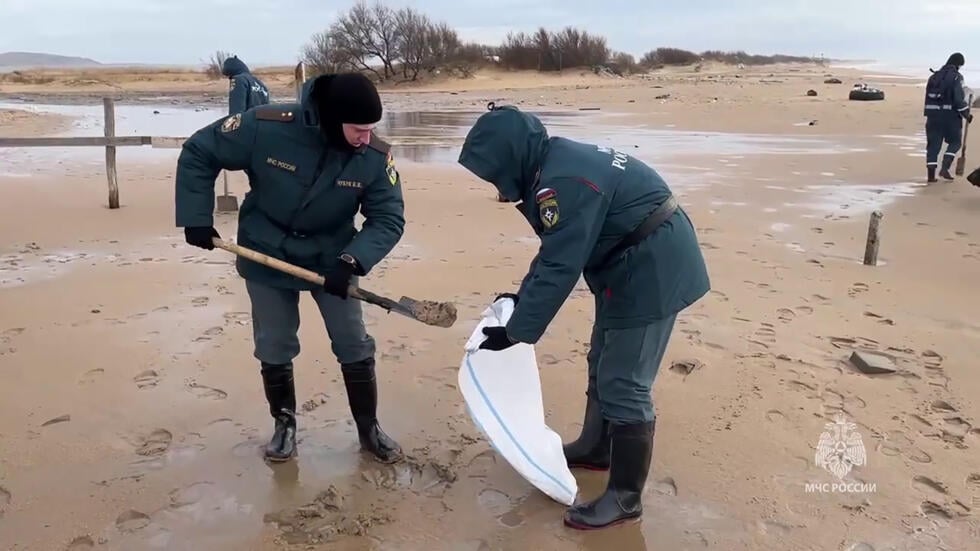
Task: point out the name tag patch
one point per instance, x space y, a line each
352 184
281 164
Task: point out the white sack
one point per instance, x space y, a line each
503 395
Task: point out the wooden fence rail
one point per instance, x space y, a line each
110 141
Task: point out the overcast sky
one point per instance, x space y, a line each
265 32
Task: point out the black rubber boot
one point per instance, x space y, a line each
631 449
281 395
362 394
947 162
591 449
931 169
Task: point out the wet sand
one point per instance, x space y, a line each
132 414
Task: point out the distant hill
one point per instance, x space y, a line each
26 60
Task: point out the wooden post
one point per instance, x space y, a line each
110 152
871 247
299 75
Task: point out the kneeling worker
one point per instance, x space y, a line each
311 166
606 215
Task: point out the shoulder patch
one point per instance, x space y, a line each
544 194
548 210
390 170
274 114
378 144
232 123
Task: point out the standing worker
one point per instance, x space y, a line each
945 109
311 166
608 216
245 90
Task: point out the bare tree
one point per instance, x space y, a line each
213 69
412 45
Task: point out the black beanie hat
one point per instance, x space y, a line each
956 59
351 98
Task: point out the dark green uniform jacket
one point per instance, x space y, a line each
303 196
582 199
245 90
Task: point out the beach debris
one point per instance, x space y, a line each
663 96
833 81
811 93
872 364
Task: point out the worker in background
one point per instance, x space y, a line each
946 106
245 90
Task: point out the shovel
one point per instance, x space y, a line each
961 162
439 314
227 203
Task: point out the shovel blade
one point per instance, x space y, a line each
227 203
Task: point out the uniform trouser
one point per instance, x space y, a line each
275 323
942 127
623 363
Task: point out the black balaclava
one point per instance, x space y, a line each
349 98
956 59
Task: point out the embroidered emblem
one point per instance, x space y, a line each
548 211
232 123
390 170
350 184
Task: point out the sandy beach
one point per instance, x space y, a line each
132 414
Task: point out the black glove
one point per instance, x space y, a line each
511 296
201 236
497 339
969 117
337 279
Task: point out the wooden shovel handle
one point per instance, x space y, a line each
277 264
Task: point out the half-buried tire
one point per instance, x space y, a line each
866 95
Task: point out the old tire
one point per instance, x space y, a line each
866 95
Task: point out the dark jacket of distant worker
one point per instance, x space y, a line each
311 167
974 177
608 216
946 105
245 90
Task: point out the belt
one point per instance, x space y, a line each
653 221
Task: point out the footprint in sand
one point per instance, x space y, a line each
935 511
666 487
766 333
857 289
881 319
927 485
932 359
821 299
241 318
90 376
200 301
786 315
147 379
81 543
202 391
189 495
721 296
131 521
155 443
209 333
5 497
